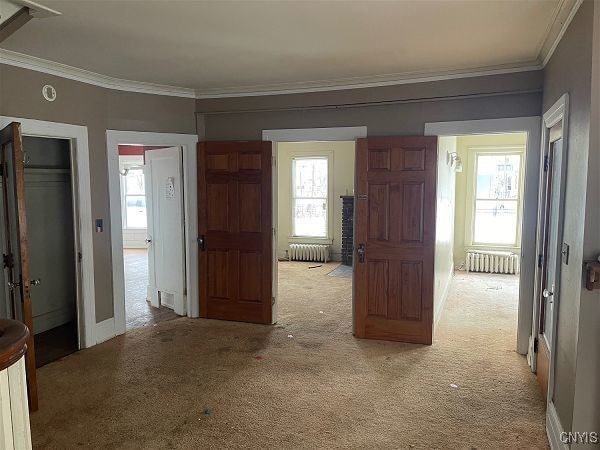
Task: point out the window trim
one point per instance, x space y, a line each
126 161
327 155
473 153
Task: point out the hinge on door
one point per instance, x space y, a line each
79 256
535 345
546 163
272 300
273 231
273 161
7 260
540 260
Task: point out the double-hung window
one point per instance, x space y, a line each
134 199
310 203
497 198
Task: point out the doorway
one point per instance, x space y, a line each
528 259
182 192
314 226
153 255
480 196
51 212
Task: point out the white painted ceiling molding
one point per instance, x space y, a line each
85 76
563 16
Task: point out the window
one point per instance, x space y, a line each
309 197
135 199
497 198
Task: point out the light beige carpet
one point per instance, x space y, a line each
304 383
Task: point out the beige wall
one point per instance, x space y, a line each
464 143
99 109
569 71
444 236
342 181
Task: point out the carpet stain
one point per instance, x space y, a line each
237 385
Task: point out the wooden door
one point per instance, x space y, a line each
395 238
16 245
235 229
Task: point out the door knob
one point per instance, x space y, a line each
547 294
361 253
148 240
202 243
12 286
36 282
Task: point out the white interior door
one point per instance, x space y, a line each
550 292
164 202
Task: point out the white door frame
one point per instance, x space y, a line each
531 125
559 112
78 138
188 143
301 135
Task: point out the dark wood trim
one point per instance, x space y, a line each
13 342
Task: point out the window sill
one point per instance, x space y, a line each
493 247
309 240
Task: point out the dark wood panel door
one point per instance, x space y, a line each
16 245
235 229
395 238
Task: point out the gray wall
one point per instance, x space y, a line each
569 71
392 110
99 109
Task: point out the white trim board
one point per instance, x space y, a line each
557 113
78 136
188 143
315 134
565 12
23 61
554 429
105 330
531 125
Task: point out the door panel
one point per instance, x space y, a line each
234 207
395 233
164 199
13 189
549 292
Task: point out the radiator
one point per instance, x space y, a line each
309 252
492 262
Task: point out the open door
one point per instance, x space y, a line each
235 230
395 238
16 260
550 260
163 176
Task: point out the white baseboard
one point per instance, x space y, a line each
440 306
105 330
554 428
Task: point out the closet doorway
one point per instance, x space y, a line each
53 248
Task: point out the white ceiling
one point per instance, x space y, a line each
249 46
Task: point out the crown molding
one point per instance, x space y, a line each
363 82
85 76
565 13
563 16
